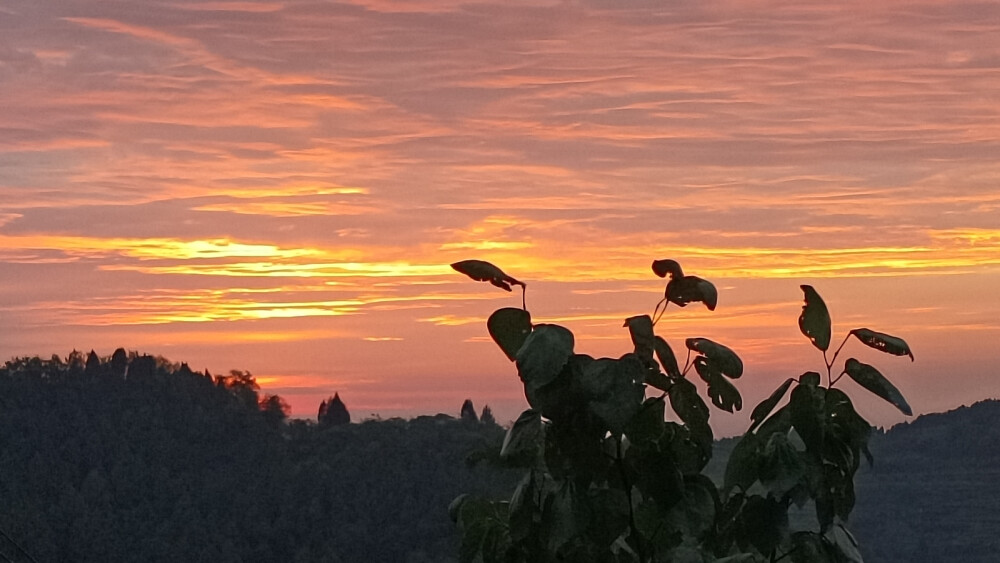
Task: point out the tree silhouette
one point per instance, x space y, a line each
469 412
333 412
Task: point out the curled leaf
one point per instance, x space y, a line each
883 342
689 289
664 267
814 322
640 328
720 357
509 328
481 270
870 378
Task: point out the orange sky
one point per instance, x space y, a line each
280 186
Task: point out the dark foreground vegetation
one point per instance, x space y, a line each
166 464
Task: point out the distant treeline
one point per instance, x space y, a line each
134 458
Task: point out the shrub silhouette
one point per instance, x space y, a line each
607 478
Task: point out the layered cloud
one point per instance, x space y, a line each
310 168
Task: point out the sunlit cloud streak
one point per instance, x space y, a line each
311 169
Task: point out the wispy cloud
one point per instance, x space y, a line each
334 157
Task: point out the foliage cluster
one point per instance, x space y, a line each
608 478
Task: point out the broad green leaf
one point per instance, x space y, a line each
663 267
480 270
843 542
883 342
544 353
615 389
696 514
720 357
765 523
522 508
743 466
808 547
609 514
808 416
647 424
762 410
666 356
690 289
723 394
509 327
814 322
781 468
847 423
870 378
561 518
780 421
524 437
687 404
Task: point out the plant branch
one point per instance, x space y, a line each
837 353
834 382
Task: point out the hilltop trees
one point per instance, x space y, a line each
168 464
333 412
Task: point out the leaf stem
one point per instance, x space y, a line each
834 382
524 303
839 348
687 364
657 312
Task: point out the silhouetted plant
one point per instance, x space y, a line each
609 479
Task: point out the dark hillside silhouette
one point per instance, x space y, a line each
140 459
160 463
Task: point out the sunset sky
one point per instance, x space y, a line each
280 186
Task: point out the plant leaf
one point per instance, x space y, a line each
723 393
870 378
614 389
814 322
544 353
664 267
743 465
509 327
883 342
524 436
722 358
689 289
687 404
640 328
765 407
666 356
843 541
481 270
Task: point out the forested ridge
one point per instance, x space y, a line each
134 458
167 464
